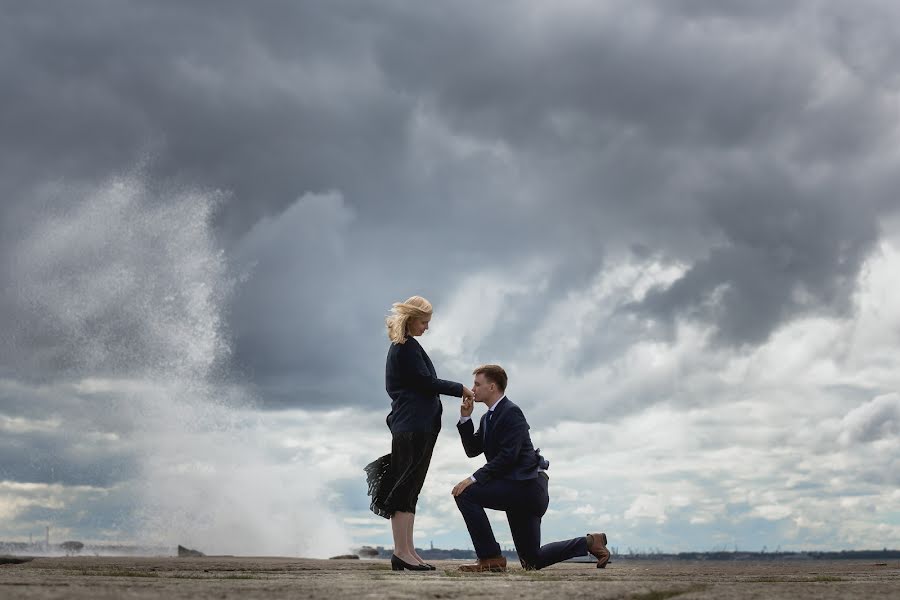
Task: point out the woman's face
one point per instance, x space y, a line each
418 326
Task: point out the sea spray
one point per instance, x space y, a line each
125 288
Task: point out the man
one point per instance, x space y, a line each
513 480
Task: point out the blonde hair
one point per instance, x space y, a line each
401 312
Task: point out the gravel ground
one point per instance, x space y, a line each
274 578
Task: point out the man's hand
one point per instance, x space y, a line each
460 487
465 409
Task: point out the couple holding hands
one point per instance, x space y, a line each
513 479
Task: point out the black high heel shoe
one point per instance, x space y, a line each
399 565
430 566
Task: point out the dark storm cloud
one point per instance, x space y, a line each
264 103
681 134
653 74
54 434
371 152
66 457
785 254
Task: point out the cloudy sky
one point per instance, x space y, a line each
674 223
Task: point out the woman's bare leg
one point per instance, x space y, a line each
409 538
400 527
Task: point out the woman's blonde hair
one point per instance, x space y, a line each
401 312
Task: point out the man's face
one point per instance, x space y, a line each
483 389
418 326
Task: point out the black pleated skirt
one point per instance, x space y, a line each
396 479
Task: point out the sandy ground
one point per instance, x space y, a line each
274 578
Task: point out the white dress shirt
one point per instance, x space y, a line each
490 410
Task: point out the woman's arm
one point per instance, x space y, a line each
417 375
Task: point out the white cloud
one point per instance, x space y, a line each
647 506
476 307
875 420
23 425
771 512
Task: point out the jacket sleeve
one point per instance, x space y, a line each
418 377
471 440
510 443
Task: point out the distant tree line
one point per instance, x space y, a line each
736 555
456 553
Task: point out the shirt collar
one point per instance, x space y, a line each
497 403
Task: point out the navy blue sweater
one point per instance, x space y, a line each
412 384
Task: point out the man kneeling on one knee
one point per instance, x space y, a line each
513 480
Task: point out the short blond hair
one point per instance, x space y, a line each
401 312
494 374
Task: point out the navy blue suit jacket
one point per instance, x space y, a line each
414 388
509 451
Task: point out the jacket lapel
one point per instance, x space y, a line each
488 440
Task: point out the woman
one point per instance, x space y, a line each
396 479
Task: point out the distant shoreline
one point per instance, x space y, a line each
42 549
456 554
112 550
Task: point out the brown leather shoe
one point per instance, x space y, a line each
494 565
598 548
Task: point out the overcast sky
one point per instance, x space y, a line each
674 223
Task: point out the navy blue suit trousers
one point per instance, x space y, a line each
524 502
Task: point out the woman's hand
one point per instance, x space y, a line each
468 394
465 409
